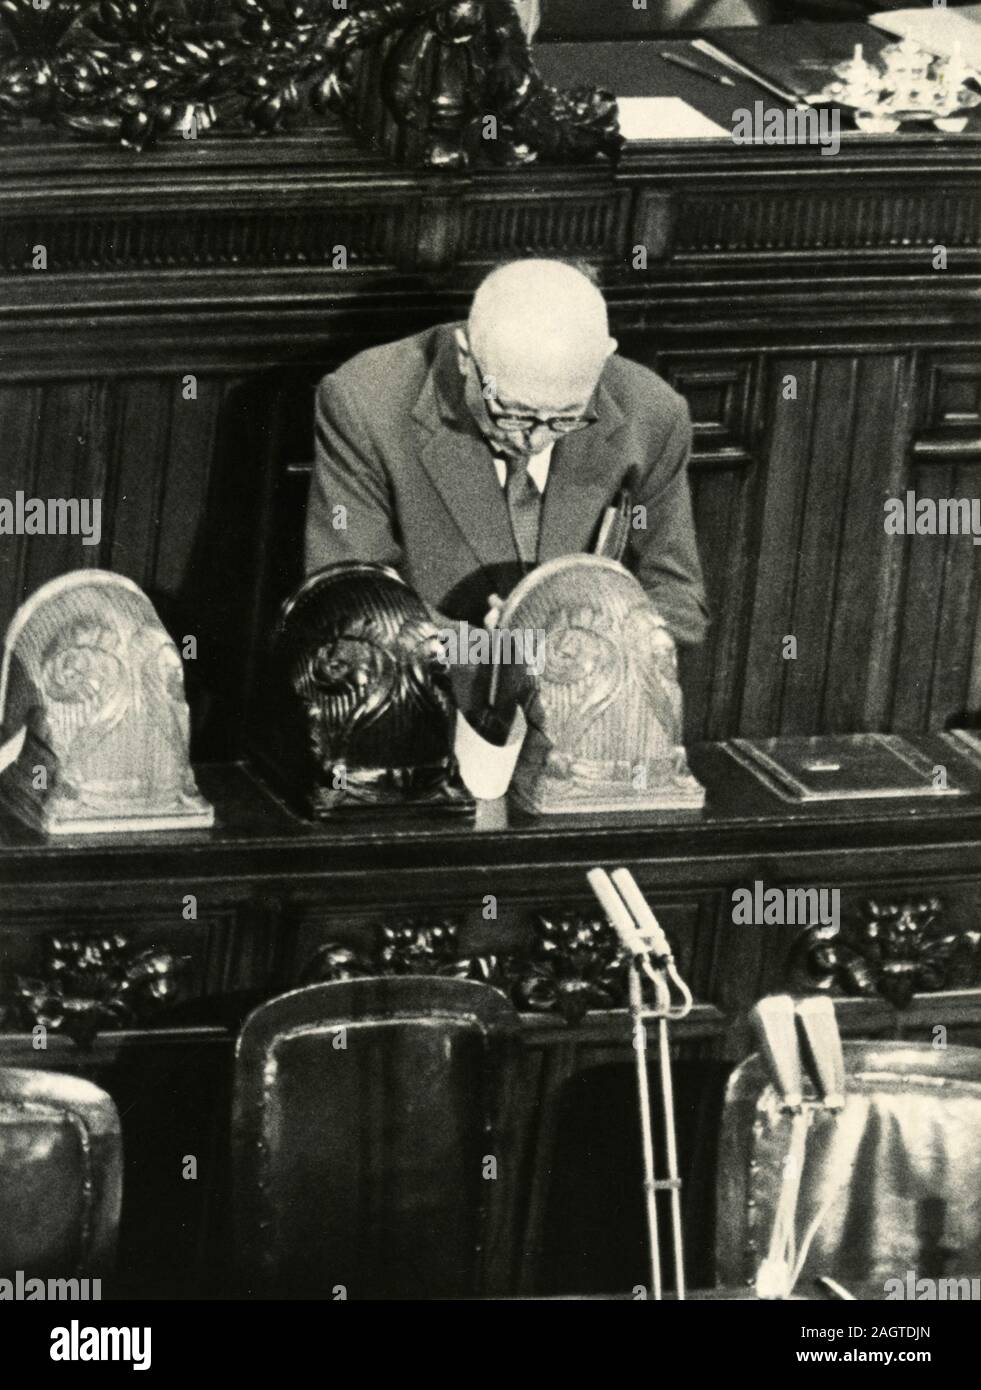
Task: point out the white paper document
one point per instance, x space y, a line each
938 30
665 118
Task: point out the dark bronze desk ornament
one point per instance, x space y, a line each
602 699
359 714
95 728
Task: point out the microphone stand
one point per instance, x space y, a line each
650 956
646 1127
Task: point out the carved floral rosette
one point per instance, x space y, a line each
87 983
890 950
359 713
604 708
95 725
572 963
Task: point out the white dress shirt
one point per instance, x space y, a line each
537 469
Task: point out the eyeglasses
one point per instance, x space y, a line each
524 424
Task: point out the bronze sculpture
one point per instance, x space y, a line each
359 712
604 710
94 721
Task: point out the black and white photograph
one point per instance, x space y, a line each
490 669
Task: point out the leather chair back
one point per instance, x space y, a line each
368 1122
60 1176
898 1171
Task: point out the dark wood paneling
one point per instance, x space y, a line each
866 608
215 260
203 503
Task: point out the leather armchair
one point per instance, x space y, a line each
898 1171
369 1140
60 1176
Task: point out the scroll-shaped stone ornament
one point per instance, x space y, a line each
602 703
95 727
359 713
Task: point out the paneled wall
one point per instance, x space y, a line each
827 366
794 543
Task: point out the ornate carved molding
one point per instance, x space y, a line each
574 963
457 73
88 983
874 220
892 951
277 237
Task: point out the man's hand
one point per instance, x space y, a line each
493 615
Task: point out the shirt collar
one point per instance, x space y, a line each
537 466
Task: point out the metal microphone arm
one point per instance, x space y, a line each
650 929
630 916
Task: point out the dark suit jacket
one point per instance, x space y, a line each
398 449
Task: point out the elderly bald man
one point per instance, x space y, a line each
467 454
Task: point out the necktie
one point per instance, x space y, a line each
524 509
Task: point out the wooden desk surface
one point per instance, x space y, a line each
256 839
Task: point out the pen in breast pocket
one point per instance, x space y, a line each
612 538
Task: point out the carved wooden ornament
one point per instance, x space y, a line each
359 713
604 706
139 71
95 726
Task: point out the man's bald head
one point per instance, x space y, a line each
539 329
